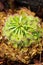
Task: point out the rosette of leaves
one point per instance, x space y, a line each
22 30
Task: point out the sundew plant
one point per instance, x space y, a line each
22 30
